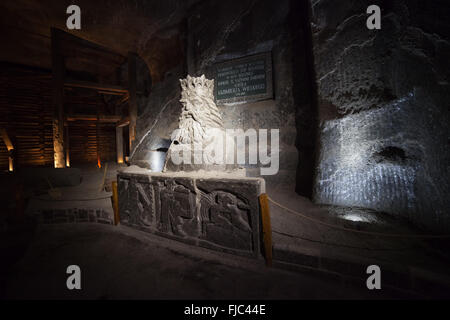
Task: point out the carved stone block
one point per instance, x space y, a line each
217 213
230 213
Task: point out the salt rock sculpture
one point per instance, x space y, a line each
200 129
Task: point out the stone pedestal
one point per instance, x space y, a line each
212 211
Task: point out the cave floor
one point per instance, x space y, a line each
410 263
123 263
311 261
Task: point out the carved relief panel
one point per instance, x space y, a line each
213 213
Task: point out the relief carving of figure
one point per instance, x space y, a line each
226 212
176 209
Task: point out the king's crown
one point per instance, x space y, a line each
198 85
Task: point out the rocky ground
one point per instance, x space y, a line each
311 260
121 263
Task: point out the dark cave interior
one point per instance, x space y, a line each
359 141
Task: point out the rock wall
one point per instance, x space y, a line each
384 108
219 31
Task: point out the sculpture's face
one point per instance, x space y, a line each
190 103
192 107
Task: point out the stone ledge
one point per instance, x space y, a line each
73 215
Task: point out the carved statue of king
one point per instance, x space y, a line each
199 141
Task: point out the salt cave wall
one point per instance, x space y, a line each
218 31
383 99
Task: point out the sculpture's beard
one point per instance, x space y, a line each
191 131
198 115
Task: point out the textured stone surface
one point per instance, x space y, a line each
218 213
216 32
74 215
200 127
384 110
151 28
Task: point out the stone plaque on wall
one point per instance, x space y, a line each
244 79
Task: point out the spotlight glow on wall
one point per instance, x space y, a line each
11 164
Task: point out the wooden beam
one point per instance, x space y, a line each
111 93
6 139
125 98
132 103
119 144
67 145
9 146
75 46
97 139
58 99
266 227
123 122
115 198
93 117
103 88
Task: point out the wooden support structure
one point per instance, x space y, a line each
119 144
9 147
66 145
132 99
115 200
123 122
97 137
37 101
266 227
58 99
93 117
102 88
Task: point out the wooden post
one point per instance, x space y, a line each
267 228
119 144
115 197
10 148
67 144
97 137
132 102
11 161
58 100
